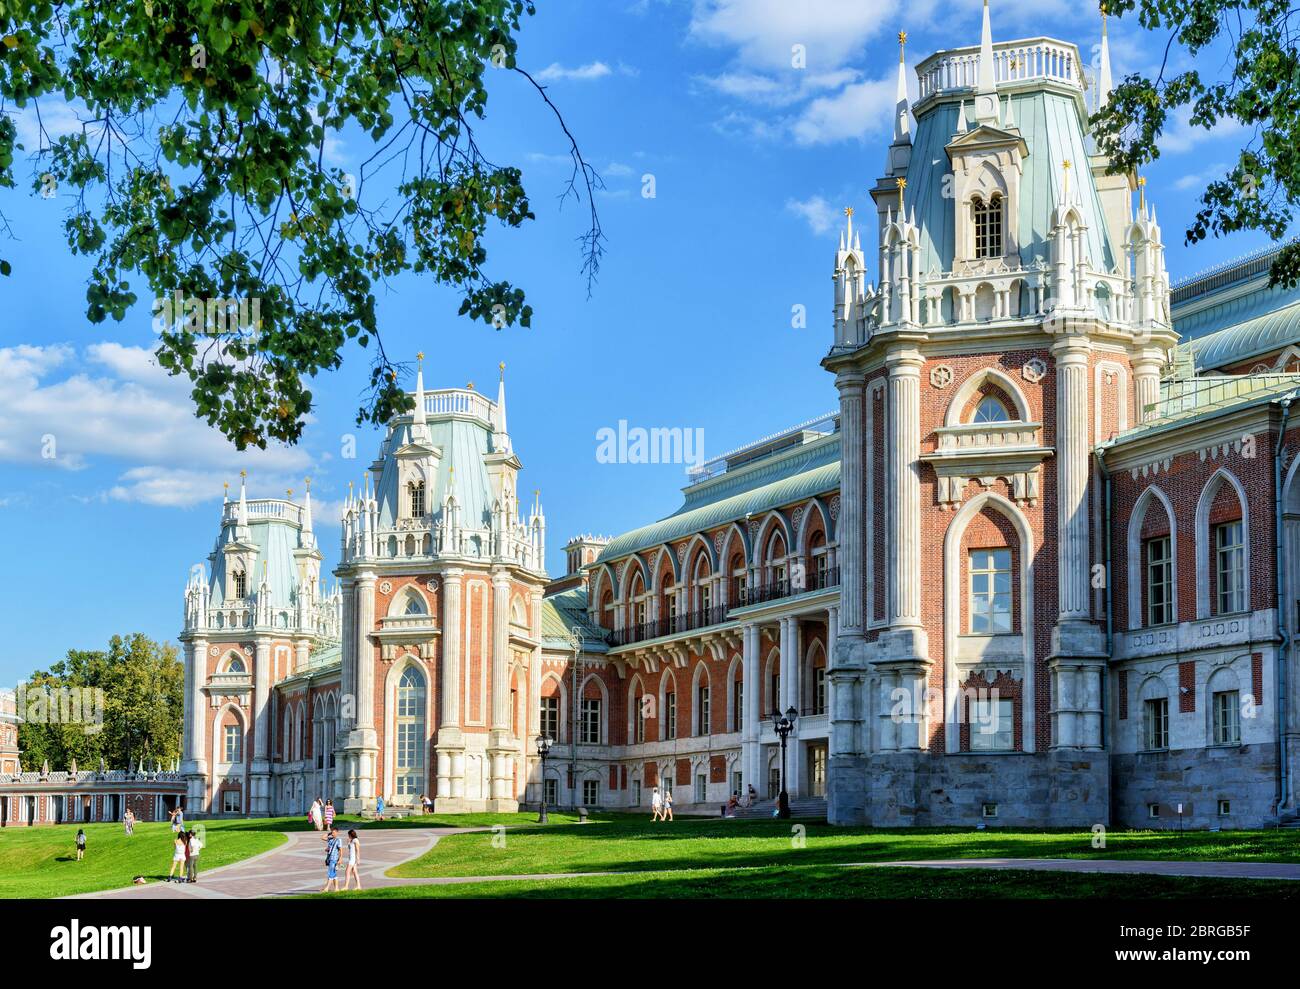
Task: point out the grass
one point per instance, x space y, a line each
829 882
42 861
622 844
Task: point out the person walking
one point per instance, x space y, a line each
315 814
178 858
668 805
178 820
129 820
81 844
354 861
328 814
195 845
332 843
656 805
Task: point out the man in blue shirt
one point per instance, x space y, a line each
332 847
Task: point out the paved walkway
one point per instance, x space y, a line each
297 867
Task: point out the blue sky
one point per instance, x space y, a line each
689 324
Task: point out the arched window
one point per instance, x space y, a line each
236 665
988 227
415 605
240 582
991 410
409 765
416 493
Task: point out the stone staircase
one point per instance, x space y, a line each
801 808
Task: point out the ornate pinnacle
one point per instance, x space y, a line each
307 481
848 211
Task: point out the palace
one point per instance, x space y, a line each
1039 567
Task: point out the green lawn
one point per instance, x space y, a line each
636 845
42 861
828 882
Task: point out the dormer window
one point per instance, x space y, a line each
991 410
416 498
988 226
240 582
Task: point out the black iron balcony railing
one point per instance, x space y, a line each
685 622
817 580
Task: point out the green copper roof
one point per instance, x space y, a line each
464 443
1184 401
1050 125
792 475
565 613
275 540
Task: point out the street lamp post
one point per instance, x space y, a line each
543 750
783 725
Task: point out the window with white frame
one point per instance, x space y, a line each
819 690
738 704
706 597
1230 551
1227 717
988 226
415 498
239 581
991 410
590 792
670 714
590 721
550 719
636 793
701 788
552 790
230 803
410 733
992 724
702 709
639 736
1155 724
639 612
1160 582
990 591
233 746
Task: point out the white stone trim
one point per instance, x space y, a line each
1133 546
966 391
952 592
1203 547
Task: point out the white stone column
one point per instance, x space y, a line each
1078 646
259 776
1146 379
365 682
753 680
904 494
450 784
499 735
301 655
196 722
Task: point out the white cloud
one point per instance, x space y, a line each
857 110
816 210
1181 135
765 31
581 73
57 117
113 403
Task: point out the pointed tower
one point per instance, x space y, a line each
986 92
900 152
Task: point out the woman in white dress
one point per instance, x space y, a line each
317 818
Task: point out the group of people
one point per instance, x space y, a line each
736 801
186 846
321 814
333 849
661 804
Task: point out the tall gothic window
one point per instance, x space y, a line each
550 726
1231 547
988 227
241 584
410 733
416 489
990 590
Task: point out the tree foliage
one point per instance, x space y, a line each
142 686
202 169
1257 85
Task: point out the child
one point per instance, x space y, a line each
81 844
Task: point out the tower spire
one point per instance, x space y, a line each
1103 69
902 123
242 518
418 418
306 510
502 433
987 81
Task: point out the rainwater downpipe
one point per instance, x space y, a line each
1110 621
1283 635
